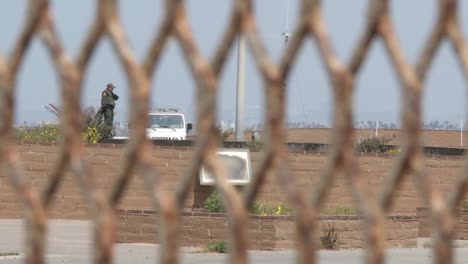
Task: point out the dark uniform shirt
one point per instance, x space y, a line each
108 99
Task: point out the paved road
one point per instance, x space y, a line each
68 242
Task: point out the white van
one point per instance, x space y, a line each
167 125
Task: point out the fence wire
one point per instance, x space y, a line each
206 73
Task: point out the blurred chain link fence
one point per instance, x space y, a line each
206 73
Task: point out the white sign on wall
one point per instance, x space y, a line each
236 163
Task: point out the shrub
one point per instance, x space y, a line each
394 151
374 144
42 133
329 238
91 135
261 208
465 205
93 125
224 133
341 210
214 203
255 145
92 128
217 246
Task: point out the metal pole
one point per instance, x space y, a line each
461 132
240 89
377 129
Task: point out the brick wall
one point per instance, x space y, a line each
265 232
425 225
105 159
171 162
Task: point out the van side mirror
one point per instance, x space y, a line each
189 127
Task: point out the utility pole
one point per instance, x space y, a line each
240 89
461 133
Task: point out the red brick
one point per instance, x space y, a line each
11 213
351 235
106 152
121 225
43 149
140 219
198 242
218 233
30 156
254 245
268 245
134 238
37 166
134 228
149 229
69 202
268 225
195 232
147 238
285 234
255 224
21 149
121 237
262 235
285 244
209 222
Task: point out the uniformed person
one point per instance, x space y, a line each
108 99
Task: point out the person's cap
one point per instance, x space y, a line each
111 85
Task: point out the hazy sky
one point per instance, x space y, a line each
377 94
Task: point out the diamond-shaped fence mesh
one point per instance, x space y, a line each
206 73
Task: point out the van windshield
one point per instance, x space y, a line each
166 121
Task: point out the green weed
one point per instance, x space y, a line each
341 210
217 246
214 203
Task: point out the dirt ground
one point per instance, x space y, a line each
434 138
